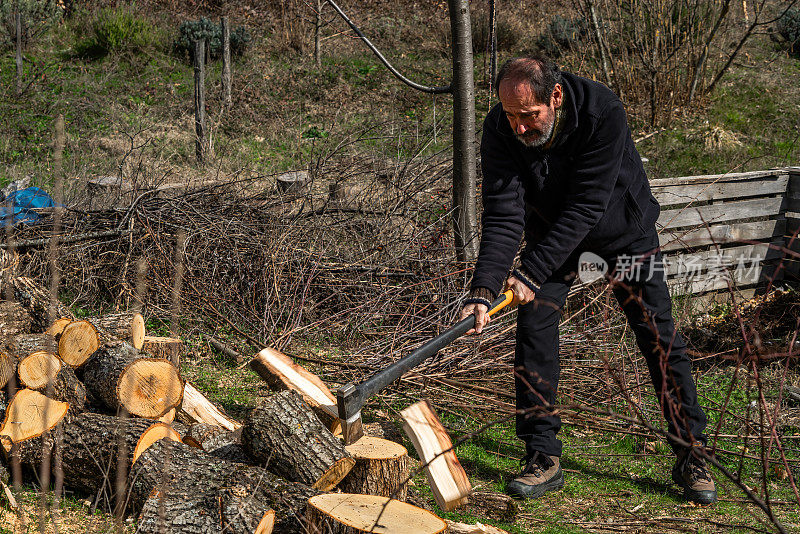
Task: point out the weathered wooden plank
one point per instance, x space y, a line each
680 262
683 194
721 234
730 177
742 277
717 213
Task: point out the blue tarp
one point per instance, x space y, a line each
19 205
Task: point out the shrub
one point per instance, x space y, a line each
117 29
562 35
193 30
37 17
507 34
788 27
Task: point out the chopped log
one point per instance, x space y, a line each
58 326
292 182
77 342
218 442
346 513
156 432
200 433
491 505
168 465
168 348
14 319
119 376
446 477
283 433
45 372
195 408
126 326
29 415
36 300
280 372
381 468
25 344
478 528
8 367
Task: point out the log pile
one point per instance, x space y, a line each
81 403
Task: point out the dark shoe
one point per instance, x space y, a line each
542 473
692 474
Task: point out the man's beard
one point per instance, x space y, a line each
536 138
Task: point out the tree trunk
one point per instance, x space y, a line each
25 344
119 376
43 371
346 513
195 408
171 466
226 61
77 342
125 326
381 468
14 319
283 433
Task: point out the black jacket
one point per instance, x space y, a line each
587 191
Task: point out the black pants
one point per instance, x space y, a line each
645 299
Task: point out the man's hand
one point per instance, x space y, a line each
522 293
481 313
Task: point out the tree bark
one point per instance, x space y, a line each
382 468
218 442
166 348
36 300
125 326
8 366
283 433
226 61
346 513
25 344
14 319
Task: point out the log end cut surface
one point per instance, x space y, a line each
370 513
153 434
30 415
137 331
78 341
150 387
369 448
58 326
39 368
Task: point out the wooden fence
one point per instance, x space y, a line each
729 227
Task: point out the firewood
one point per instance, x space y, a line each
168 417
24 344
381 468
284 433
479 528
195 408
58 326
119 376
77 342
169 466
44 371
280 372
127 326
446 477
38 303
156 432
29 415
8 367
346 513
168 348
492 505
14 319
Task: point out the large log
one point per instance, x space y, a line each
77 342
119 376
280 373
172 466
127 326
346 513
195 408
36 300
218 442
382 468
14 319
24 344
155 432
447 478
283 433
44 371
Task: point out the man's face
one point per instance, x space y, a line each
531 120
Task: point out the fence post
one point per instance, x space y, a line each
18 30
465 222
226 61
200 99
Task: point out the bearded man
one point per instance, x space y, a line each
560 168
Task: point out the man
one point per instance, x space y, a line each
560 169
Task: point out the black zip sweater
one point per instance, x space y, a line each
587 191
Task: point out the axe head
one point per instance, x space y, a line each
348 402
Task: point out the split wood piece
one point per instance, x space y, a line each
478 528
168 348
347 513
381 468
119 376
168 465
45 372
156 432
283 433
280 372
195 408
446 477
58 326
491 505
8 367
25 344
169 417
14 319
29 416
77 342
36 300
126 326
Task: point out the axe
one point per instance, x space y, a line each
350 398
